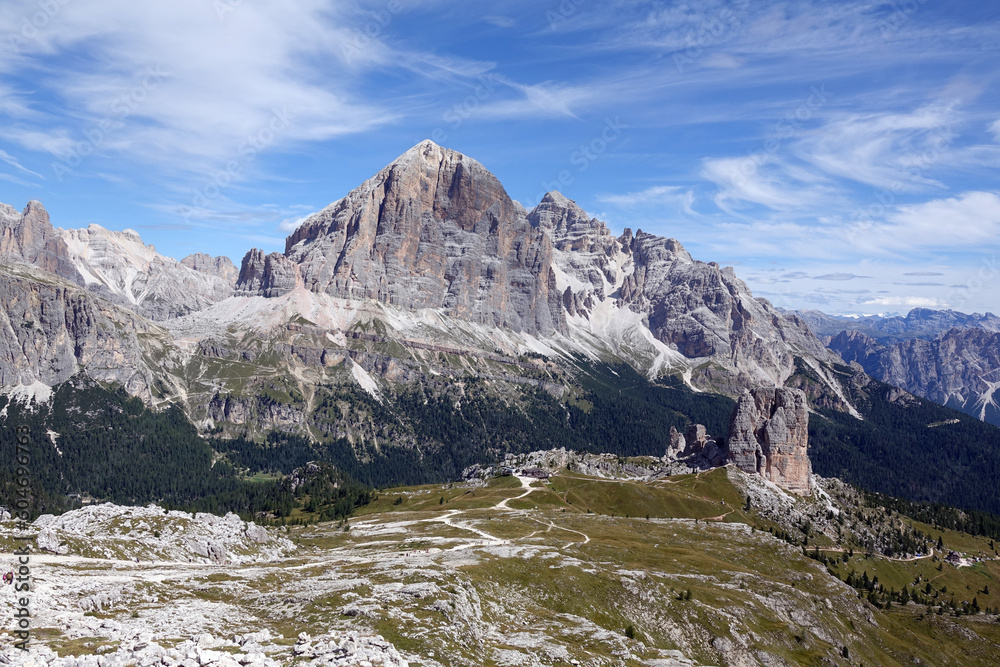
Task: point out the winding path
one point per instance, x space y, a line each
493 540
525 484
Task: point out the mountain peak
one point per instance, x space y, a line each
431 155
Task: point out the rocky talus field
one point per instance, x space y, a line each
608 561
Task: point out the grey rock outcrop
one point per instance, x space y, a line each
51 329
116 265
221 267
676 445
769 436
705 311
123 269
267 275
30 238
434 229
696 448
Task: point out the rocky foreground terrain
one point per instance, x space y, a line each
628 568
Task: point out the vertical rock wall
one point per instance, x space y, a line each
769 435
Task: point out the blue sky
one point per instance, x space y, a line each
843 156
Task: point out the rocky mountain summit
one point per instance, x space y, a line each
426 267
425 296
436 230
118 266
430 254
121 268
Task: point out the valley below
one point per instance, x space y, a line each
579 568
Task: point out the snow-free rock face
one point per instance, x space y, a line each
769 435
29 237
434 229
221 266
51 329
152 533
116 265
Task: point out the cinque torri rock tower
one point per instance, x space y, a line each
769 436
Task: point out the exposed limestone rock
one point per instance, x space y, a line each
258 409
677 444
271 275
29 237
769 435
430 253
126 533
221 266
116 265
695 438
51 329
123 269
434 229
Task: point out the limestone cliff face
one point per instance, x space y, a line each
120 267
769 435
221 266
707 312
434 229
115 264
51 329
29 237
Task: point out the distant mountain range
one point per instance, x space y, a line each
918 323
952 358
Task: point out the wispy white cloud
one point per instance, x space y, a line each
907 301
657 194
967 220
840 276
771 184
547 99
14 179
56 142
289 225
887 150
12 161
500 21
217 79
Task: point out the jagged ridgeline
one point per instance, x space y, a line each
423 322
